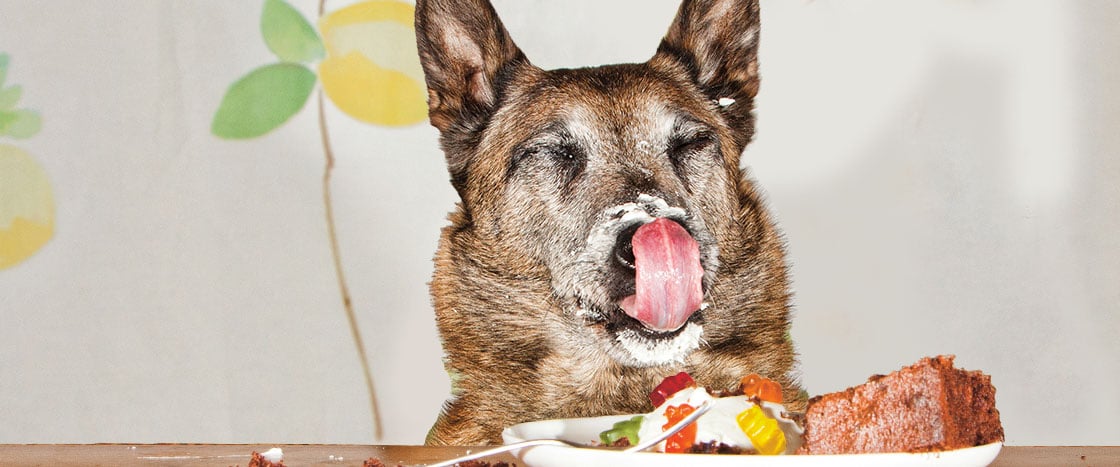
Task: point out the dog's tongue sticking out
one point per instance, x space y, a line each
668 276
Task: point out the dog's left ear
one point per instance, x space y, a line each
717 42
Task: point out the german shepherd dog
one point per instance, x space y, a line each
606 236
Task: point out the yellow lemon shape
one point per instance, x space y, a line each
26 206
372 71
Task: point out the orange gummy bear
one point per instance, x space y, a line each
754 385
683 440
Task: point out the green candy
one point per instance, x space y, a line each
624 429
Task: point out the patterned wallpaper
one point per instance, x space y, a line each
26 200
368 67
364 56
361 58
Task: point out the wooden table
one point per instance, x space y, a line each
175 455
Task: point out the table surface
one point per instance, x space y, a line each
174 455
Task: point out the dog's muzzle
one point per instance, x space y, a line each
642 274
657 271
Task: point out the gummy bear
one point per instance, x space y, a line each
761 387
624 429
683 440
669 386
763 431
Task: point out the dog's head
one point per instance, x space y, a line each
620 184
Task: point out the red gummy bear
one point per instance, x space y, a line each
669 386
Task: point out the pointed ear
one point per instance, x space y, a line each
717 42
463 48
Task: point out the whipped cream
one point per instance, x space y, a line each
719 424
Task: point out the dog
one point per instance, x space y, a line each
605 236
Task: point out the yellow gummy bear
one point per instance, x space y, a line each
763 431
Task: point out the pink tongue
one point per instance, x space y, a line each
667 261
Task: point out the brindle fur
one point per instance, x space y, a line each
538 157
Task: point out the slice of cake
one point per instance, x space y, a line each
928 406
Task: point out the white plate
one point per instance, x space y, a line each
586 431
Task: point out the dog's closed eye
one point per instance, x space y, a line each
687 145
685 149
561 153
689 138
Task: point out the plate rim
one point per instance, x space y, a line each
511 434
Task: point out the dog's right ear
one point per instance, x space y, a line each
464 49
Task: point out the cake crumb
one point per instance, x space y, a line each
259 460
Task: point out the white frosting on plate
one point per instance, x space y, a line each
274 455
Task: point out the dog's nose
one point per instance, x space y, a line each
624 247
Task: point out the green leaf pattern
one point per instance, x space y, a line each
9 97
3 68
15 123
263 100
270 95
20 124
288 34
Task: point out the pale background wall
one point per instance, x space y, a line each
945 172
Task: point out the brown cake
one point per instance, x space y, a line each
928 406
